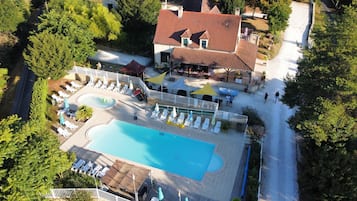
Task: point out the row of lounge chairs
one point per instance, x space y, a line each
70 125
187 121
89 168
112 87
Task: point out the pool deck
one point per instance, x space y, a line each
215 186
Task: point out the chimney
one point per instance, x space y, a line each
180 12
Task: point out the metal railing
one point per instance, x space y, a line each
159 96
94 192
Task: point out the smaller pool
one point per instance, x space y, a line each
96 101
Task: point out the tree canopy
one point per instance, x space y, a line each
98 20
81 40
29 160
230 6
12 13
3 80
324 91
49 55
145 11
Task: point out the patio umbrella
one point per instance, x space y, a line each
118 83
157 108
61 118
205 90
161 194
66 104
174 114
131 87
191 116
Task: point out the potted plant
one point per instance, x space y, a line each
84 113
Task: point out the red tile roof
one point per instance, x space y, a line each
222 28
241 61
205 35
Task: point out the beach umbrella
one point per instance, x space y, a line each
160 194
66 104
174 113
191 116
131 87
61 118
157 108
205 90
118 83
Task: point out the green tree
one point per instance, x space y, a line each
230 6
49 55
278 15
325 91
3 80
29 160
81 40
145 11
102 23
12 13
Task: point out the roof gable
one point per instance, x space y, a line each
222 29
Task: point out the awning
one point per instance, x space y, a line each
205 90
157 79
120 179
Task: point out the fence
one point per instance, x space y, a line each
95 192
158 96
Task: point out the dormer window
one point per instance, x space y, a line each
185 38
204 40
204 43
185 42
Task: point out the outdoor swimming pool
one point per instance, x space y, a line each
96 101
172 153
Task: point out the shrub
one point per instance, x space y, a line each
80 196
38 106
70 179
84 113
253 117
225 125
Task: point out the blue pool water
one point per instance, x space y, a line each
172 153
96 101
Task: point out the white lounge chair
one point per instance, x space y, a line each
155 114
181 118
217 127
63 94
111 86
117 88
197 122
95 170
172 117
124 89
90 83
98 84
75 85
164 114
84 169
102 172
63 132
70 125
70 89
57 98
205 124
78 164
188 121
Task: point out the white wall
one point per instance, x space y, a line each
161 48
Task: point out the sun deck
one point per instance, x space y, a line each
214 185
